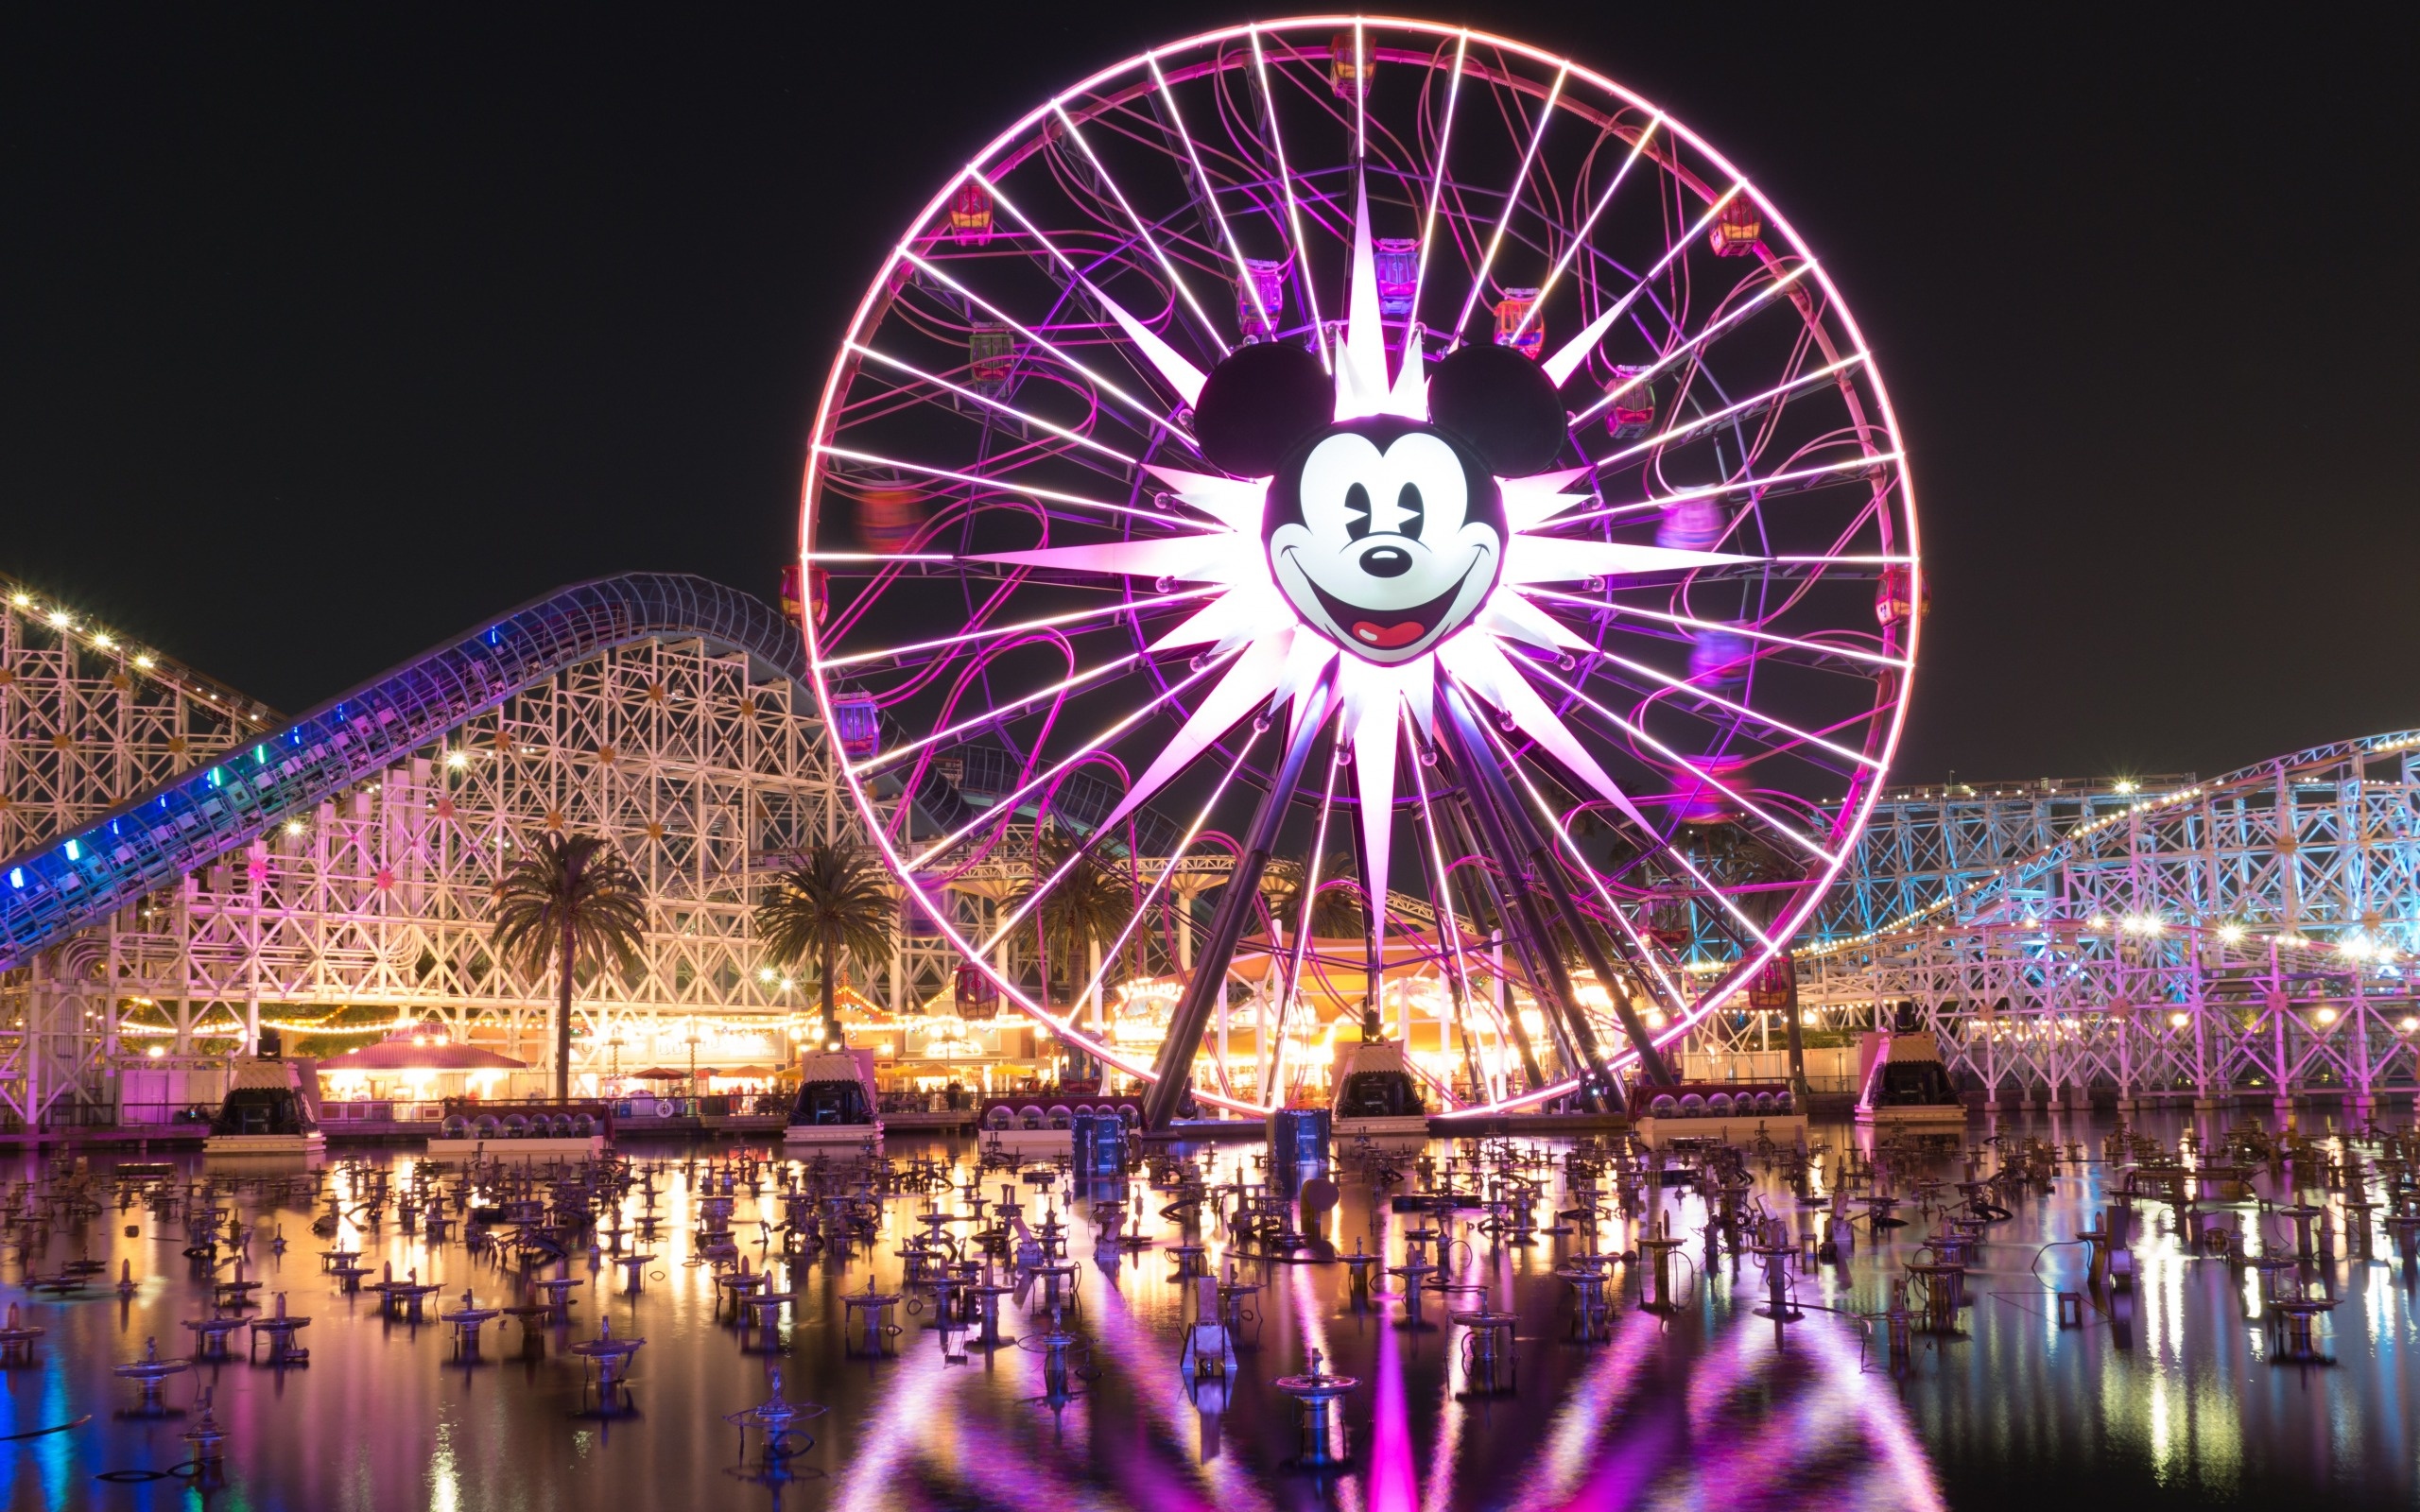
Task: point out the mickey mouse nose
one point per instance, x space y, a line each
1386 561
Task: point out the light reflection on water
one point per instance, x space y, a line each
2169 1401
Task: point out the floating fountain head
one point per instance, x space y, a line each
206 1440
17 1340
147 1373
279 1328
1323 1441
778 1419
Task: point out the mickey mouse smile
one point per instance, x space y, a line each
1387 630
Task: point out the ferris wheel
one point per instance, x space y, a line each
1358 522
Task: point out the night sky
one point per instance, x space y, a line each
326 334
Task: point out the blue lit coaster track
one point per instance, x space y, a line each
78 879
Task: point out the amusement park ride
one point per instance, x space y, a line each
1341 560
1403 458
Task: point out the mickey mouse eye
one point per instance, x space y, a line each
1410 511
1356 512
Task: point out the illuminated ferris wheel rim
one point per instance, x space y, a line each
1095 95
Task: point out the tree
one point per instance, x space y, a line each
573 903
1081 911
837 898
1336 910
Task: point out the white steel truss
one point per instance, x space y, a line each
705 774
2255 933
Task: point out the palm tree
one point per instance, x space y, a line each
1336 911
573 901
1083 910
838 898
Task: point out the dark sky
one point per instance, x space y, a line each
326 333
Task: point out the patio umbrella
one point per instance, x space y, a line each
659 1074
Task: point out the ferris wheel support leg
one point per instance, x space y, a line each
1466 746
1173 1070
1471 751
1457 813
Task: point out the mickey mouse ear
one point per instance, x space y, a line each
1258 405
1502 404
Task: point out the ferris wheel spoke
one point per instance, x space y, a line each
1695 771
1577 240
994 716
1512 201
1184 289
1173 368
1795 480
1208 191
1005 485
1274 1062
1641 951
1302 252
1448 919
1763 299
1185 848
1696 425
1009 801
1107 612
1001 405
1157 417
1437 169
1567 360
1706 695
1614 611
1662 847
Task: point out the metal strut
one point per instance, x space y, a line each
1497 795
1172 1074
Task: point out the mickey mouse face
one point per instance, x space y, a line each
1385 535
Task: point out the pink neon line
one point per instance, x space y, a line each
880 555
1756 302
1437 178
1448 922
1293 210
1765 719
1004 485
1693 770
1579 238
1666 848
1715 490
1052 426
1168 869
1712 625
1708 422
1077 755
1512 202
1140 230
1275 1075
1049 622
989 717
1543 806
1149 412
1209 191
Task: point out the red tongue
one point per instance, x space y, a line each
1389 637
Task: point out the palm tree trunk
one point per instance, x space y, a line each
831 996
563 1016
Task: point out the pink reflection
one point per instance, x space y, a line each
1394 1487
